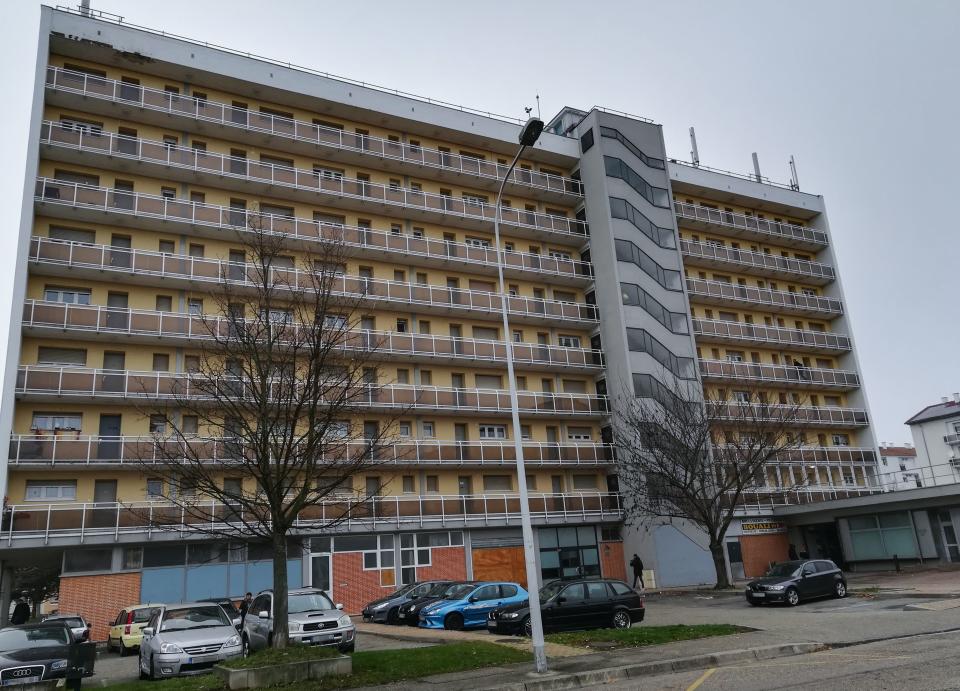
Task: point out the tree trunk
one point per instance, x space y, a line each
280 629
719 565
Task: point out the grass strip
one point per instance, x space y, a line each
640 636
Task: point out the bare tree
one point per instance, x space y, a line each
39 582
688 455
259 438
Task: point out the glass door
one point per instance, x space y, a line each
321 573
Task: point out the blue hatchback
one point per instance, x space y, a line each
467 606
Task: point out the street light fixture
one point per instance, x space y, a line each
528 137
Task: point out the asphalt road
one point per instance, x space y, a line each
918 663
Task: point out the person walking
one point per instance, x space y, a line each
21 613
245 606
637 564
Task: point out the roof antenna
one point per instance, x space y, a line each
756 167
694 154
85 8
794 182
538 107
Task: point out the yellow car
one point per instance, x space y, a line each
125 631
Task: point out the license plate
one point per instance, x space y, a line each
21 680
308 639
759 594
491 626
402 615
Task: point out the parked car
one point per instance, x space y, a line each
77 624
468 605
230 609
793 581
410 613
580 604
387 609
38 652
187 639
312 618
125 629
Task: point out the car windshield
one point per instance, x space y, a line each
308 602
551 589
788 568
194 618
438 590
72 622
408 589
39 637
458 592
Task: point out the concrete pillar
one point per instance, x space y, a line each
6 586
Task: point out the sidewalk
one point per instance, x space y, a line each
938 581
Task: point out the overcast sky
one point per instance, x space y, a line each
863 94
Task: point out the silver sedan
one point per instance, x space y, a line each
186 639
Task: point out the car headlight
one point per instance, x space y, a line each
380 606
166 648
58 664
510 615
343 621
293 627
775 587
232 642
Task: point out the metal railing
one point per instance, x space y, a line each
62 449
750 224
819 455
779 374
113 321
330 187
752 177
301 230
758 333
309 133
766 263
145 264
788 415
952 439
782 299
81 521
87 382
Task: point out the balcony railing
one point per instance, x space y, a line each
725 331
78 321
76 522
144 265
817 455
813 377
45 381
289 131
756 262
319 187
721 291
952 439
788 415
301 231
751 225
66 450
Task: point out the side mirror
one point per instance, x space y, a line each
561 600
147 631
236 622
473 598
339 605
264 614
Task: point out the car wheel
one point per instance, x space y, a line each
150 674
245 647
527 627
143 673
839 589
124 650
393 616
348 648
453 622
793 597
621 619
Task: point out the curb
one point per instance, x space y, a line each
684 664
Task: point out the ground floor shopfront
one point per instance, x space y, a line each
354 568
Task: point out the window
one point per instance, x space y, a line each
167 246
80 560
489 381
161 362
164 303
69 296
841 440
493 431
158 424
428 430
409 487
154 488
584 481
51 490
190 424
61 356
433 484
72 235
403 376
54 422
497 483
426 377
401 326
424 326
568 341
168 192
195 306
403 429
579 433
132 558
477 242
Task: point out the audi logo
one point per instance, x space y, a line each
22 672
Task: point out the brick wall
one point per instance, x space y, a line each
759 550
447 563
99 598
612 561
354 587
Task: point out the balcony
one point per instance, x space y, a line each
54 383
30 525
751 227
95 322
952 439
763 499
755 263
733 295
111 98
64 451
792 376
56 257
800 416
818 455
73 201
172 162
717 331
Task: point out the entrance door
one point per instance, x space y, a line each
120 251
115 364
104 494
321 573
108 444
118 316
465 488
460 437
950 541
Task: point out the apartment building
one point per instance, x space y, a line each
899 468
623 266
936 439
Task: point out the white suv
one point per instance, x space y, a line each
312 619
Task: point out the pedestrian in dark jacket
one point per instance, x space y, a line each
245 606
21 613
637 564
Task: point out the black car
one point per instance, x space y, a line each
410 613
37 652
387 609
793 581
574 604
230 609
